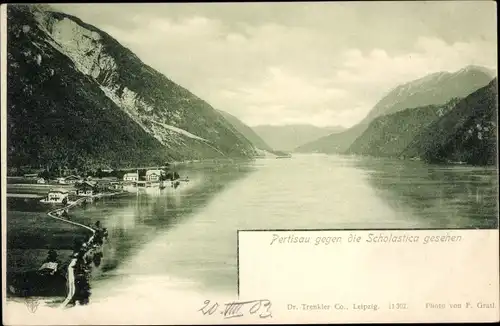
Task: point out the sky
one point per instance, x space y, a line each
323 63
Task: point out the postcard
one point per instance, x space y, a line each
249 163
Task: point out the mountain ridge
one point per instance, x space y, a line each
388 135
433 89
66 51
246 131
288 137
467 133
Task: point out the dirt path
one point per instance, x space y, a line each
54 214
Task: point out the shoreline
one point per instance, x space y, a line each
87 245
84 249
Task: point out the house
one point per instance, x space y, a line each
153 175
85 188
131 177
57 195
116 185
103 185
109 184
72 179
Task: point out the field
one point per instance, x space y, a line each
31 233
39 189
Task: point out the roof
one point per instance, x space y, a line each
61 190
131 174
72 177
106 179
148 172
85 184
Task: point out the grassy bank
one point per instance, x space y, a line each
30 235
38 189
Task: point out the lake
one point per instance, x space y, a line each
187 237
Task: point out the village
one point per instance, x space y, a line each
71 187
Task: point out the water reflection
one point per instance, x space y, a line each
136 218
190 233
446 196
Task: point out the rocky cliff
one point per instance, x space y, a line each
75 95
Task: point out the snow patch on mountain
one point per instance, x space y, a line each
180 131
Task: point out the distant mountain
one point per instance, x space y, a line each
246 131
434 89
467 133
333 143
77 97
288 137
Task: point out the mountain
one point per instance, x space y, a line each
333 143
434 89
76 97
467 133
389 135
246 131
288 137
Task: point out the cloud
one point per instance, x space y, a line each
304 66
429 55
281 96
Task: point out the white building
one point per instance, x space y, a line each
153 175
57 195
131 177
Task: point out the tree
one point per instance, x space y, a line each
142 173
44 174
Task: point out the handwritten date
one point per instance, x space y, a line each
261 308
